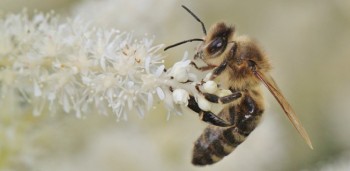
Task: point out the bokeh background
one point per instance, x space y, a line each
309 46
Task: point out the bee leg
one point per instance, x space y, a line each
247 121
218 70
207 116
203 68
222 100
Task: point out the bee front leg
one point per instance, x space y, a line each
207 116
218 70
203 68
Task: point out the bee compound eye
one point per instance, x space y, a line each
216 45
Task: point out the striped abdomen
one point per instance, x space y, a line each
217 142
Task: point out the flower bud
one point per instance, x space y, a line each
210 87
203 103
181 96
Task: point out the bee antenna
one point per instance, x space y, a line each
189 11
182 42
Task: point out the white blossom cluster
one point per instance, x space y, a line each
72 66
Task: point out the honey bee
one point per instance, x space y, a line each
241 66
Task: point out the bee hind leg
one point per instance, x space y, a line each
207 116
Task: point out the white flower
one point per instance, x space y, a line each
181 96
76 67
180 71
223 92
203 104
210 87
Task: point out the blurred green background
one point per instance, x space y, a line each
307 42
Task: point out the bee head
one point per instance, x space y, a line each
216 41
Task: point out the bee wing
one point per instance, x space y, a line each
272 87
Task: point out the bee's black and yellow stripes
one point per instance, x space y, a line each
217 142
